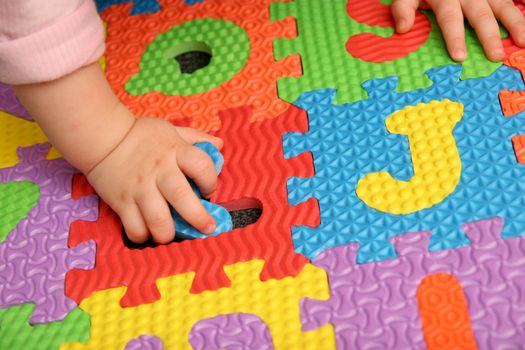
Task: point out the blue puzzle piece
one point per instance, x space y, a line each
191 2
139 6
350 141
220 214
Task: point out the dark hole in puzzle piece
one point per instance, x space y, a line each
192 61
240 219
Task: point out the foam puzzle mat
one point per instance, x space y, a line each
391 182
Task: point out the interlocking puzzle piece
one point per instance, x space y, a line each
191 2
444 313
34 258
376 303
220 214
518 142
16 200
513 102
171 318
239 331
325 26
254 85
350 141
17 333
17 132
254 175
9 102
139 6
145 342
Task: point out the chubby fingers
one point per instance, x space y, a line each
193 136
450 19
511 17
404 13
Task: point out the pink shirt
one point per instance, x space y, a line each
42 40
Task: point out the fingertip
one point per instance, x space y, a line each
210 227
496 55
459 55
164 237
402 26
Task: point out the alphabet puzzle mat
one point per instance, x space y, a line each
391 182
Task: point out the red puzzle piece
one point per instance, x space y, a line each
373 48
254 171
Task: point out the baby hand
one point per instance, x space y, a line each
481 14
147 170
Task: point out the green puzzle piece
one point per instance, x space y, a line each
16 200
16 333
226 42
324 28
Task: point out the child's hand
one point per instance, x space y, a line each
481 14
147 169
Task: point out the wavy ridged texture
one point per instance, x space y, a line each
275 302
254 85
35 257
376 303
254 167
9 103
145 342
231 331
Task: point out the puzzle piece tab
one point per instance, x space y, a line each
9 102
350 141
16 332
34 258
376 303
139 6
276 302
16 200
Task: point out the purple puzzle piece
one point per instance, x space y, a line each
10 103
232 331
35 257
374 305
145 342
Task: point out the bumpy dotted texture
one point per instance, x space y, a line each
159 71
17 132
34 258
254 85
435 160
16 332
145 342
232 331
375 305
518 142
139 6
9 102
171 318
324 27
16 200
254 175
350 141
443 310
220 214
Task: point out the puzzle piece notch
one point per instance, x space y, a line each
350 141
11 104
253 85
145 342
275 302
240 331
17 333
139 6
16 200
518 143
35 253
254 169
385 292
513 102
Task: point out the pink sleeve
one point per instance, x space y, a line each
42 40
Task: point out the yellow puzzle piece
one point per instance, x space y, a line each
17 132
276 302
435 157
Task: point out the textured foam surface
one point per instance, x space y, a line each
9 102
220 214
518 142
324 28
16 332
254 85
17 132
232 331
376 303
513 102
34 258
145 342
171 318
350 141
139 6
254 174
16 200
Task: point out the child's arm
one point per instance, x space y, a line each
135 165
481 14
